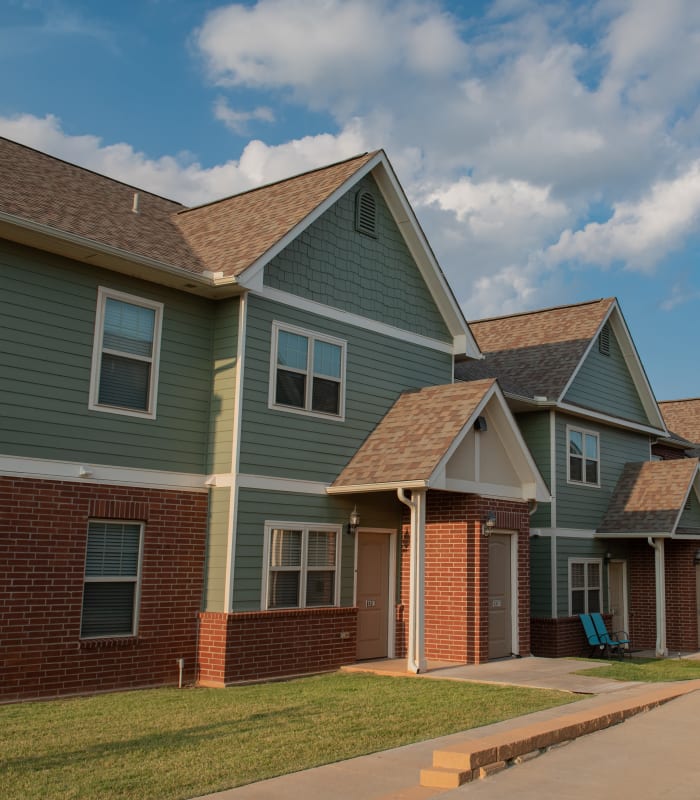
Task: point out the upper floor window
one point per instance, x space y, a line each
307 372
125 354
302 565
584 457
584 586
112 576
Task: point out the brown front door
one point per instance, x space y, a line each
500 597
372 595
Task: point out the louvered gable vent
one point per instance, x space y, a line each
366 213
604 340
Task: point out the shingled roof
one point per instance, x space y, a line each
535 353
225 236
649 497
414 436
682 417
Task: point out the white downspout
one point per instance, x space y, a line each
660 573
416 593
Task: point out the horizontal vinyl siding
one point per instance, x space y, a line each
541 576
604 384
534 428
217 548
333 264
577 548
223 385
580 506
285 444
256 506
47 316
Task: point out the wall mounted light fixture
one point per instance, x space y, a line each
488 523
354 522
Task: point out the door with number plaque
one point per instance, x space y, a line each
372 595
500 597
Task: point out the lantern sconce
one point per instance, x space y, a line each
354 522
488 523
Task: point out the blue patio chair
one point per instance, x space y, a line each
618 642
594 640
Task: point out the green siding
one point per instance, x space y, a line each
534 428
580 506
691 517
217 547
226 315
541 576
47 309
577 548
256 506
286 444
604 384
334 264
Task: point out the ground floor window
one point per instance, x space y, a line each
585 589
112 579
301 565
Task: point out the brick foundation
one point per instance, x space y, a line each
258 645
43 530
556 638
456 576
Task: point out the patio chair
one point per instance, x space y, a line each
618 642
594 640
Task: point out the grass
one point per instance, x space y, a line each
648 670
170 743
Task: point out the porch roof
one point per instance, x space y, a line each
650 496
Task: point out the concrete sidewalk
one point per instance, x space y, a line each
396 774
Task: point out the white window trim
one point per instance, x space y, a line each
584 432
117 579
313 336
103 294
305 527
586 561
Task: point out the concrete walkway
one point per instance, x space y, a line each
396 774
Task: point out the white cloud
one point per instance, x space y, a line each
638 234
237 121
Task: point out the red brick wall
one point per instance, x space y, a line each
43 530
456 576
681 613
258 645
556 638
642 595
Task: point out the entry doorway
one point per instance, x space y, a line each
501 594
374 579
617 594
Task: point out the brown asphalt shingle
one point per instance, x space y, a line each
230 235
535 353
683 417
410 441
649 496
226 236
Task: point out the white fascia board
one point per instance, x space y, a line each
633 363
424 257
85 472
272 484
495 491
618 422
564 533
634 535
295 301
377 487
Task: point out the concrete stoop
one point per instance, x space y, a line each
479 758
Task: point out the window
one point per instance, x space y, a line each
125 354
112 574
366 213
584 586
301 565
308 372
584 458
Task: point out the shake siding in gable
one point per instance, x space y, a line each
581 506
223 395
604 383
47 314
334 264
286 444
256 506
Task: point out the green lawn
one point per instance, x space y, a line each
170 743
649 670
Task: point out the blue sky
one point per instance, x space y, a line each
550 150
